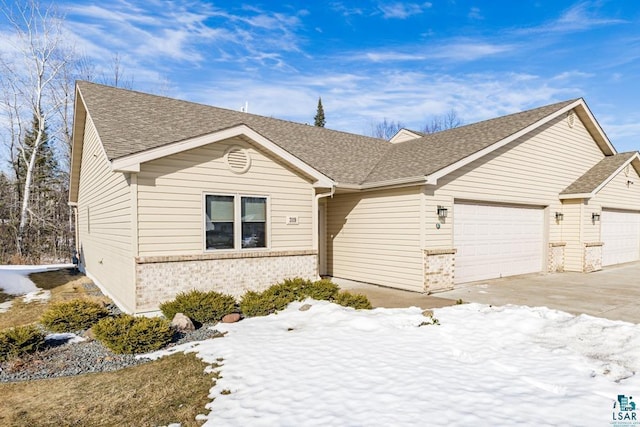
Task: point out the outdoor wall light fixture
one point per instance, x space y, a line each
595 217
559 216
442 212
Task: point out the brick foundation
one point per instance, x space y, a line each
160 278
592 257
439 267
555 257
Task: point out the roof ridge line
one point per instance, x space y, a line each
168 98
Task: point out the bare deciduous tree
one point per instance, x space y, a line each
385 129
117 78
30 73
449 120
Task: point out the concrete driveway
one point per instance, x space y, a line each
612 293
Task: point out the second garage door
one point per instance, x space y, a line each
496 241
621 236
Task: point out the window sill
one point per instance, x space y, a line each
227 254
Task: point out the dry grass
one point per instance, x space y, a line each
173 389
63 286
5 297
170 390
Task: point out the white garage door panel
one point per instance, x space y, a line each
621 236
496 241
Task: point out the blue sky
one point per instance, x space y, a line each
371 60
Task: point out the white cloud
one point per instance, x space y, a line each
571 75
474 14
398 10
392 56
354 101
581 16
622 131
344 10
457 51
124 27
469 50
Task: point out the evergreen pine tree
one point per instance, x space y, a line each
44 197
46 173
319 118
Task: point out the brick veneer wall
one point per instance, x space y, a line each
555 257
439 269
160 278
592 257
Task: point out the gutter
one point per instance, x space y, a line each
398 182
316 223
74 207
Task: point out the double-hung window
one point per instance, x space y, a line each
235 222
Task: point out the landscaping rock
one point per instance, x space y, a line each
89 335
231 318
305 307
76 358
182 323
427 313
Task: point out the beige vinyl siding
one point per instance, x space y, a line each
572 234
532 170
620 194
171 199
105 236
375 237
617 194
590 228
438 232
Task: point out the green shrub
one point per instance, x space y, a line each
129 334
200 306
277 297
263 303
323 289
20 340
357 301
74 315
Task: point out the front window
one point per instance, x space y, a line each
220 218
254 221
235 222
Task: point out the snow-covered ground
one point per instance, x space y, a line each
14 280
482 366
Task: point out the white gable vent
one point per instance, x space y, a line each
238 159
571 118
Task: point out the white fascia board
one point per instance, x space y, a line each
433 178
575 196
132 162
402 132
601 133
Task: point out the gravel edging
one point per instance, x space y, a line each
68 359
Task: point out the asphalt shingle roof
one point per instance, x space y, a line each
597 174
131 122
426 155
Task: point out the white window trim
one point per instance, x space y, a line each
237 222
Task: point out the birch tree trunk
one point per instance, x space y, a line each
29 75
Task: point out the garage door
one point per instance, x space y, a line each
621 236
497 241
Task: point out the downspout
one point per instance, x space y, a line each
74 207
316 223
